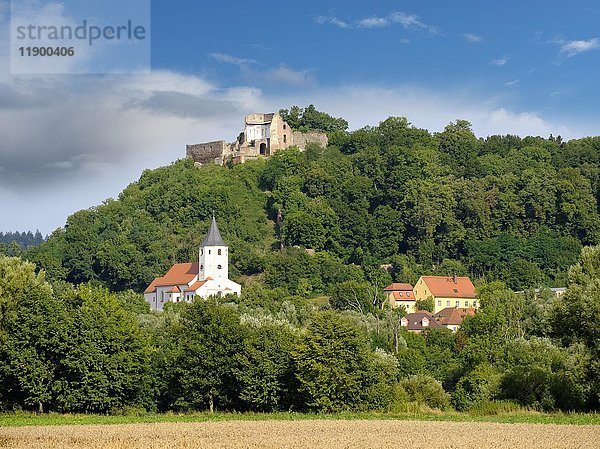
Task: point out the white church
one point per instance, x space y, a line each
208 277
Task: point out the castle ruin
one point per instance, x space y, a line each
263 135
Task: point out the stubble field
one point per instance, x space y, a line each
307 434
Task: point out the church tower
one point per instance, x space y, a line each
214 255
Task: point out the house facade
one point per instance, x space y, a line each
446 291
207 277
400 295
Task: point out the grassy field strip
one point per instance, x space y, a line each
54 419
303 434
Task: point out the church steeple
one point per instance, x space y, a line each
213 236
214 257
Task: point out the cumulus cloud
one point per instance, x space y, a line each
408 21
569 49
469 37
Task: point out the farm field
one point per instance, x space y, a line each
330 434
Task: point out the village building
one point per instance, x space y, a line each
453 317
263 135
446 291
419 321
400 295
207 277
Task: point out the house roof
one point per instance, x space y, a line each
196 285
152 287
453 316
450 287
403 295
397 286
213 236
175 289
415 321
179 274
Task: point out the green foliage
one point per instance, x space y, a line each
79 351
426 390
203 357
336 369
309 119
425 304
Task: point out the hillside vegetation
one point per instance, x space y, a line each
311 330
503 208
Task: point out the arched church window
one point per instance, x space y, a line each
219 252
202 267
219 267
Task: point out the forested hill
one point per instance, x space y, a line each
504 207
12 243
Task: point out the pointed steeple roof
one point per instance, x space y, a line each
213 236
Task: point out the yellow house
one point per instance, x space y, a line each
400 295
446 291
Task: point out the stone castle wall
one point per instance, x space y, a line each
204 153
281 137
301 140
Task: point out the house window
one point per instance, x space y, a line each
474 303
284 126
219 267
447 303
209 251
457 303
284 138
440 303
455 290
466 303
400 293
407 294
219 252
201 252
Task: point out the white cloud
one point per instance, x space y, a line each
287 75
472 37
373 22
512 83
408 21
322 20
228 59
572 48
499 62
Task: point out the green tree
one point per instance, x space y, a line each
203 359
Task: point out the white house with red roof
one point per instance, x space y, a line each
208 277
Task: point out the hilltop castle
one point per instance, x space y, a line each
263 135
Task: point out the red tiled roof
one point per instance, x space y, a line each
404 295
415 321
396 286
196 285
453 316
445 287
175 289
179 274
152 287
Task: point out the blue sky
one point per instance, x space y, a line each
68 142
536 55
